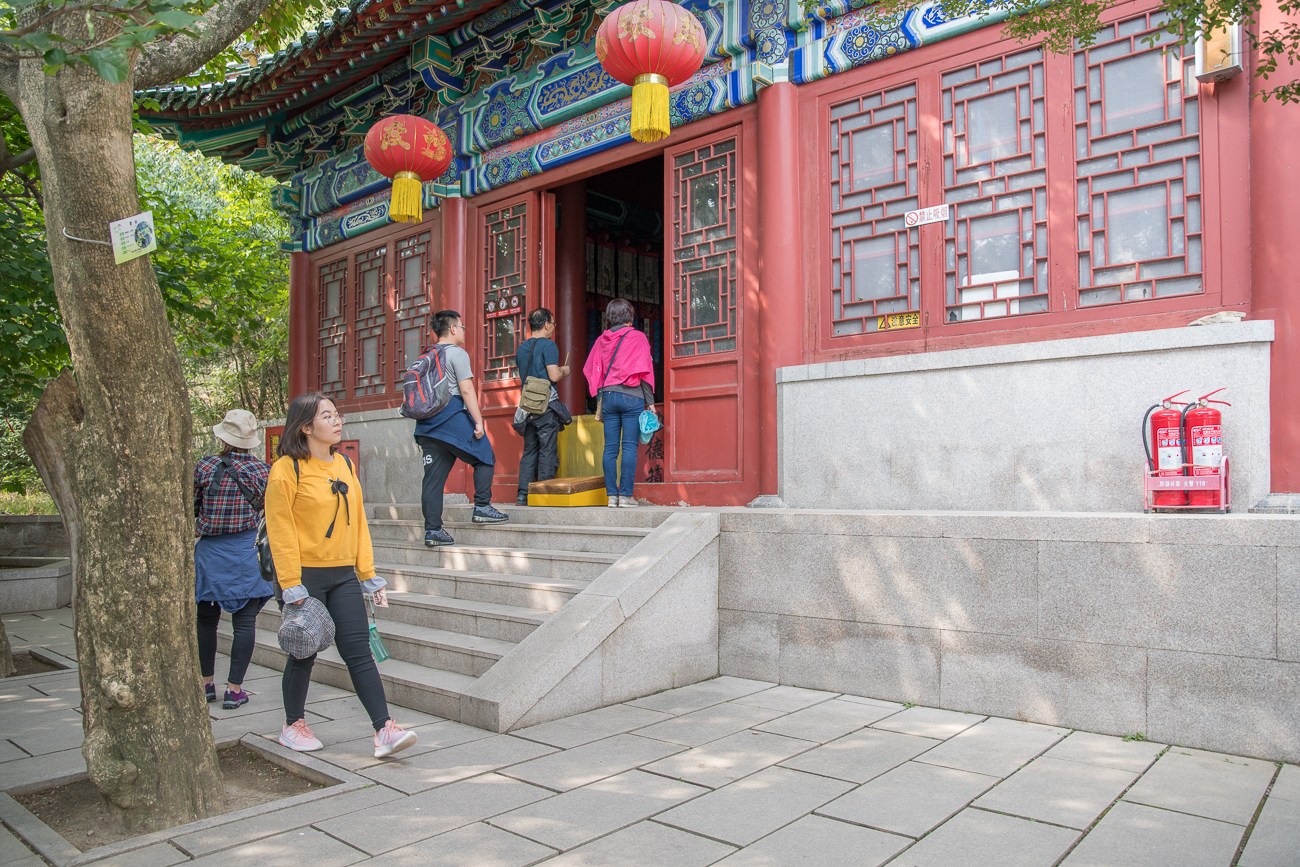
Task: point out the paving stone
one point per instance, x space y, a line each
11 848
975 838
861 756
226 836
391 826
700 695
1287 784
645 844
997 747
1106 751
9 752
579 815
478 845
1275 839
708 724
574 731
157 855
754 807
786 699
291 849
444 766
264 722
1212 785
1063 793
827 721
1131 835
38 768
727 760
33 861
817 842
929 722
878 702
61 735
911 799
359 752
350 707
590 762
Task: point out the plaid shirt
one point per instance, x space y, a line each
225 510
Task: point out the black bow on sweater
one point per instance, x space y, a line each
339 489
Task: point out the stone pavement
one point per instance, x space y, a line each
729 771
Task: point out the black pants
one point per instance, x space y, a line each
541 457
439 457
241 647
340 591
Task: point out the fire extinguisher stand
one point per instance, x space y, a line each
1221 483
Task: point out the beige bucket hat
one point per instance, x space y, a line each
239 428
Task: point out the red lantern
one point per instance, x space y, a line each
410 150
652 45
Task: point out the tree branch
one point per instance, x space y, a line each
169 59
13 161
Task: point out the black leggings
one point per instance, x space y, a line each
241 647
340 591
438 460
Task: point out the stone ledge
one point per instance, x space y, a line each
1255 331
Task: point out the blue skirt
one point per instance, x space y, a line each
226 572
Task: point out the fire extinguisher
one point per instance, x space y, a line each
1166 437
1203 436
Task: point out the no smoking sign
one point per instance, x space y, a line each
937 214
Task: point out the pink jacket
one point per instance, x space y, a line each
632 366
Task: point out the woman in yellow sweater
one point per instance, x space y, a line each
320 542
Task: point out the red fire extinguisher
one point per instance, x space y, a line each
1203 438
1166 437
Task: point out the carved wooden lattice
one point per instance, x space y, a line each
875 259
1138 165
371 321
995 175
332 333
507 280
704 250
411 329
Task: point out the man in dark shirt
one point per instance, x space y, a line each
541 457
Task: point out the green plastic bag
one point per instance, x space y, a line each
377 647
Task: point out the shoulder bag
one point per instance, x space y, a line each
536 396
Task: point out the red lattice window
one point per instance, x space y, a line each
371 321
995 177
704 250
412 309
1138 167
507 283
332 334
875 258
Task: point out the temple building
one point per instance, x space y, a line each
883 261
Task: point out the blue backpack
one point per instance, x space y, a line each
428 384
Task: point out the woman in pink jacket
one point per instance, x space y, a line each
619 369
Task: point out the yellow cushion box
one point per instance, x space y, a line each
580 491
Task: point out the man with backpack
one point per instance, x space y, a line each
542 416
442 383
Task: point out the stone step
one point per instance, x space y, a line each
429 690
421 645
511 623
598 540
524 591
538 563
589 516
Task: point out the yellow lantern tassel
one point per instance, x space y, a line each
405 204
650 108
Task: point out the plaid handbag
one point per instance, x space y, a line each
306 628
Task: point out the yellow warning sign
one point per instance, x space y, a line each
898 320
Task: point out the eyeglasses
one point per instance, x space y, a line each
331 416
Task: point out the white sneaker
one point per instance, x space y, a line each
628 503
299 737
392 738
613 502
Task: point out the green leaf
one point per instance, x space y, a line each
175 18
110 63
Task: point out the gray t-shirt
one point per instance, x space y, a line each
458 360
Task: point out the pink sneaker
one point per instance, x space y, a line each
391 739
298 737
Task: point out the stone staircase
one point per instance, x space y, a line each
454 611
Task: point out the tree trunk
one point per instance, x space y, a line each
6 654
115 446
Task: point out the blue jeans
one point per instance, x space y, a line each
621 414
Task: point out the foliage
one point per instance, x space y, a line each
36 503
1063 25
